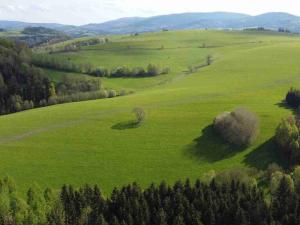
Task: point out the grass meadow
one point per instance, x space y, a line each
93 142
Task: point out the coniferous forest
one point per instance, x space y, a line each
184 203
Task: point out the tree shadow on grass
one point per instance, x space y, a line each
126 125
211 148
264 155
283 104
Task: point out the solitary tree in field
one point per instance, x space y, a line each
140 115
240 127
208 60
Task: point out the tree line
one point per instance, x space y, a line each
227 199
287 134
56 63
24 86
37 36
77 45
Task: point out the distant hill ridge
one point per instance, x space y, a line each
213 20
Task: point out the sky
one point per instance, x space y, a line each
79 12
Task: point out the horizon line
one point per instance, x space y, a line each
146 17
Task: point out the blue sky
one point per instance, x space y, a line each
96 11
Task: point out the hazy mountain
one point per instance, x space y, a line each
173 21
9 25
114 24
273 21
215 20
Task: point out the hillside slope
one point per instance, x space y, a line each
93 142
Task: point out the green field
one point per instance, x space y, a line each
91 142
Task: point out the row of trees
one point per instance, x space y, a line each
227 199
37 36
81 96
283 30
51 62
23 86
77 45
208 62
150 71
69 84
287 134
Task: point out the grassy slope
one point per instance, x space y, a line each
90 141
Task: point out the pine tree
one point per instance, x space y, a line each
178 220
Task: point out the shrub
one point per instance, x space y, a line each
165 70
240 127
272 168
52 101
15 103
240 175
191 69
277 179
139 114
208 60
28 105
293 98
43 103
103 94
138 72
209 176
112 93
121 71
296 176
100 72
122 93
76 97
152 70
288 138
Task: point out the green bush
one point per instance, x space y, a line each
121 71
139 114
293 98
15 103
103 94
288 138
165 70
28 105
138 72
208 60
153 70
112 93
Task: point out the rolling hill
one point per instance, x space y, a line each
91 142
217 20
214 20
